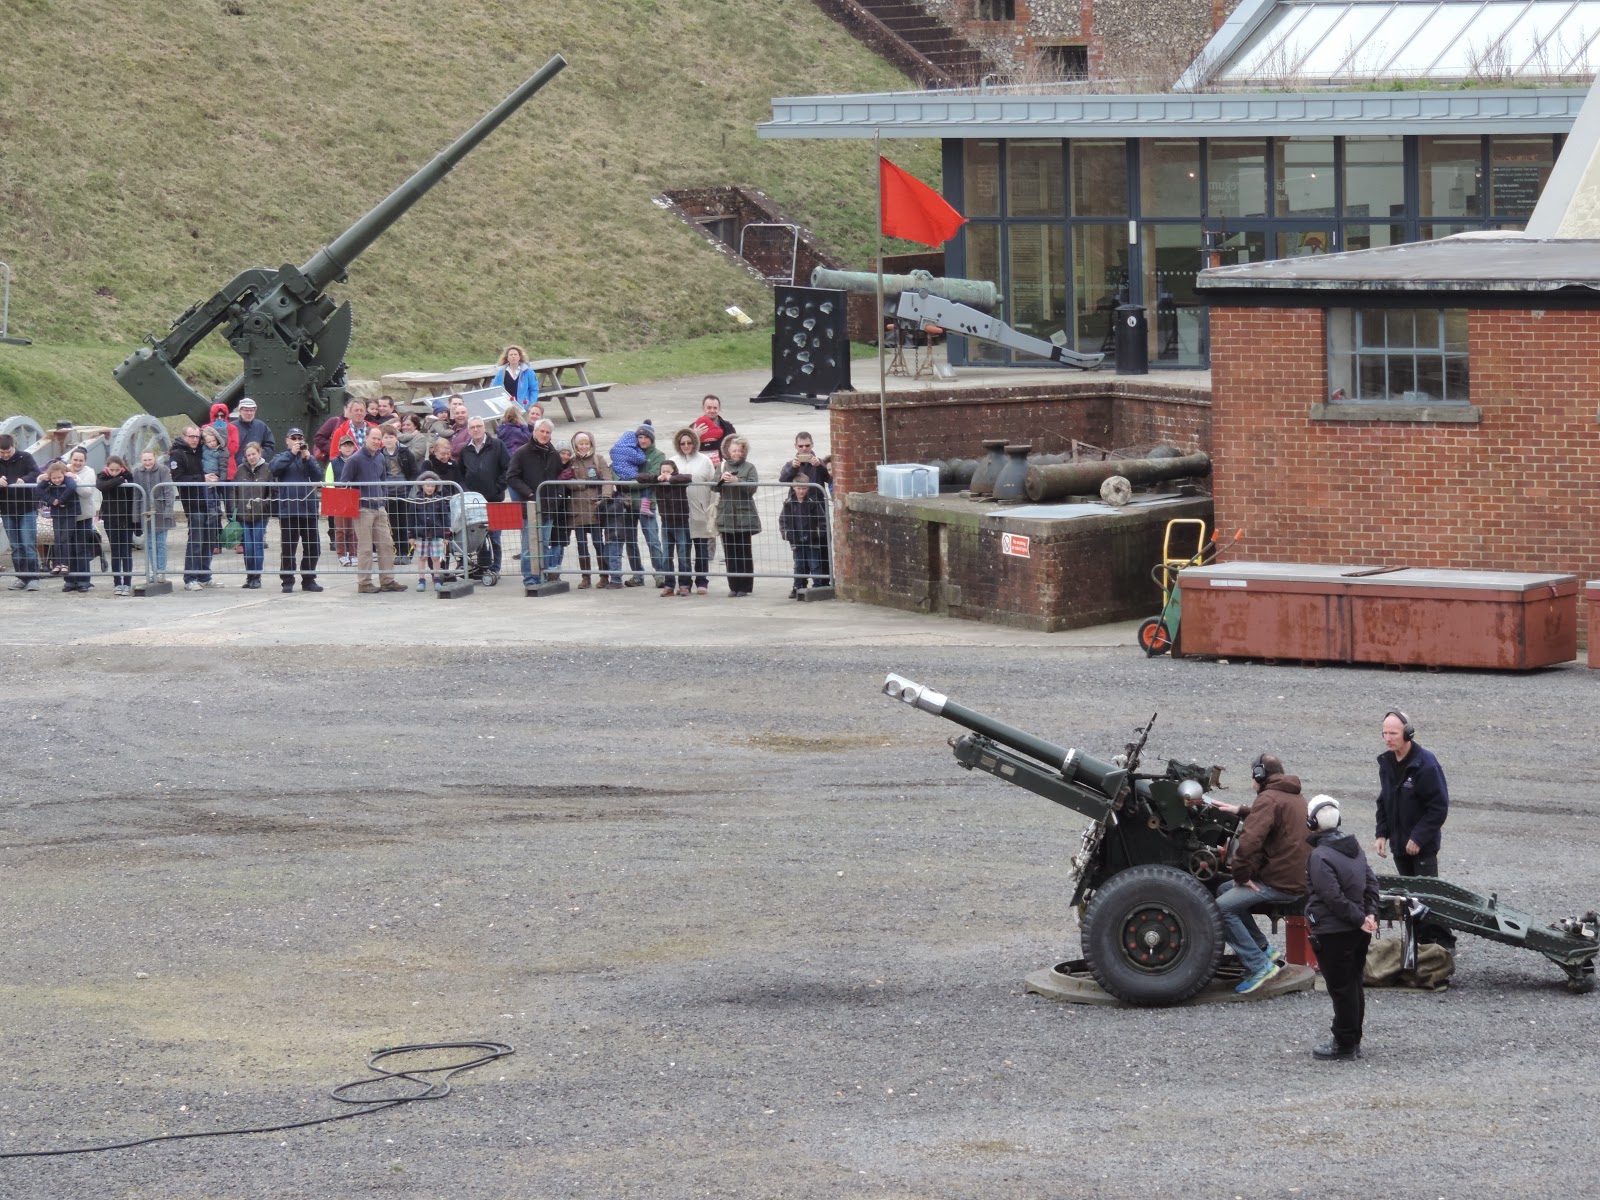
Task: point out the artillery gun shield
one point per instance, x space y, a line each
1152 935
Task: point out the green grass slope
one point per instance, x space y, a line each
150 151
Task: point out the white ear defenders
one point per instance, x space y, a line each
1322 813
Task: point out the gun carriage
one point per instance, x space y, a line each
1157 849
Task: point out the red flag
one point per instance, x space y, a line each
913 210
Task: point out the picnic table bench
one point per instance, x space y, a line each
560 380
556 383
442 383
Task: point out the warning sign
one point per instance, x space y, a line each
1016 545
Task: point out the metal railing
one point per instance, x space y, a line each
763 531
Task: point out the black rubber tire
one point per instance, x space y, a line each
1152 935
1154 638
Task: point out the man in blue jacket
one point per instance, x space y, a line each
1413 802
252 429
298 474
367 470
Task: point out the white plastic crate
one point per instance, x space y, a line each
907 481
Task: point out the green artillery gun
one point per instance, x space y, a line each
1157 849
291 335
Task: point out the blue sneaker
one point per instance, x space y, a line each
1252 982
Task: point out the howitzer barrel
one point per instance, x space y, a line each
1073 764
1046 482
975 293
332 262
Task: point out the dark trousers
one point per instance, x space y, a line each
1424 866
80 542
702 560
810 561
197 547
1343 958
121 539
302 529
675 540
741 563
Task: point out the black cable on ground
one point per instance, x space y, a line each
427 1089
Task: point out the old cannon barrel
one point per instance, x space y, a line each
975 293
332 262
1075 765
1082 478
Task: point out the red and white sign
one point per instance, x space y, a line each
1016 545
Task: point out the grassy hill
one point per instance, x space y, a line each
150 151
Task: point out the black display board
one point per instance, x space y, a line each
810 346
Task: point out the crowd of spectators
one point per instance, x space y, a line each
229 478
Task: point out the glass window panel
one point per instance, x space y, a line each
1398 26
1100 179
1402 377
981 171
1374 177
1427 327
1479 53
1034 182
1303 243
1327 56
1575 55
1430 377
1302 177
1455 330
1099 284
1177 317
1236 177
1443 26
1365 237
1399 326
1169 178
1240 246
1449 172
983 262
1267 45
1038 301
1285 62
1372 377
1518 169
1455 378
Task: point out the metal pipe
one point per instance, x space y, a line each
974 293
1082 478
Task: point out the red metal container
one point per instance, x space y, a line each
1501 620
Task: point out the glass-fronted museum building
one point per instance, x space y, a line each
1069 228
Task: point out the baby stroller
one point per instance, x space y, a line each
470 552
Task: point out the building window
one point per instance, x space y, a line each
1067 60
994 10
1397 356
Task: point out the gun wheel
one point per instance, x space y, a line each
1152 935
1154 638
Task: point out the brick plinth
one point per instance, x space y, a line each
949 560
1514 491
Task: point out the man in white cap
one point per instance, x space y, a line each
253 429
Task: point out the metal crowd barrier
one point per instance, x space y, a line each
625 541
61 553
324 533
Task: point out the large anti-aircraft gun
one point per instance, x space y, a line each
1158 846
291 335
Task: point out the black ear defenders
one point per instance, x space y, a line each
1258 769
1409 731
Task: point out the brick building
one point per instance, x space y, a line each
1434 404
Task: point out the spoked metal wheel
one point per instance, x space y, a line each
25 430
137 434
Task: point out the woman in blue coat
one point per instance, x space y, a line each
520 381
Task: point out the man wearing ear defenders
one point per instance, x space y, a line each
1413 802
1268 862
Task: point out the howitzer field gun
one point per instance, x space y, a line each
1157 849
291 335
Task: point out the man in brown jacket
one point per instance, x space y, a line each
1268 863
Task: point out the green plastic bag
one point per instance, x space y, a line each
232 534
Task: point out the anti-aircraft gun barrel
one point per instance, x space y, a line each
331 263
1076 766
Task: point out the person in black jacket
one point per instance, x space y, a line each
189 473
400 466
1413 803
534 464
484 467
19 507
299 476
120 513
1342 910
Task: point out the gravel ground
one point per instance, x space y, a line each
751 930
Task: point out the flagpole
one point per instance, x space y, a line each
883 394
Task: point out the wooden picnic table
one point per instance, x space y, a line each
560 379
442 383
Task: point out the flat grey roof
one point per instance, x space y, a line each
1468 263
976 114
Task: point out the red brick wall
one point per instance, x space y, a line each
1519 491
